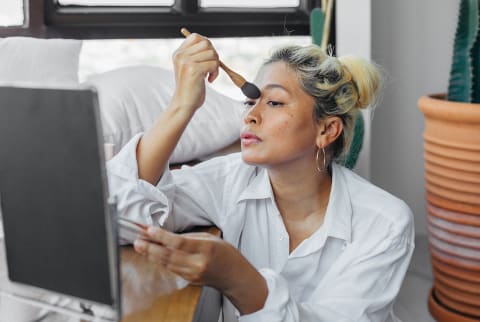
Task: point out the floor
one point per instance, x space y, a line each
411 305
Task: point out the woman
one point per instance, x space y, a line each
304 239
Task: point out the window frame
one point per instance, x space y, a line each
47 19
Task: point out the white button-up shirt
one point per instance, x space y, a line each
350 269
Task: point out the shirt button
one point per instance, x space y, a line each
344 245
281 238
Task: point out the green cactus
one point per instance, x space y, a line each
464 85
317 19
475 56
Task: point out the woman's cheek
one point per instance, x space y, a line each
281 128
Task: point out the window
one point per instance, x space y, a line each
243 54
203 3
11 13
111 19
119 3
249 3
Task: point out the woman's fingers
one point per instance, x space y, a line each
186 52
194 60
155 252
191 266
205 58
200 258
198 49
188 242
191 40
165 237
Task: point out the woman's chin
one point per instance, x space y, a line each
250 158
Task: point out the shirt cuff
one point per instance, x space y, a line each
124 163
145 202
275 308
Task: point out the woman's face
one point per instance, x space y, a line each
278 128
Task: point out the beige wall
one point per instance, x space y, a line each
413 41
355 15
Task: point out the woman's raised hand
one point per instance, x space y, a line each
193 61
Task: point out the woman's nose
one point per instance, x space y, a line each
252 115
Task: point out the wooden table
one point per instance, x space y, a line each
151 293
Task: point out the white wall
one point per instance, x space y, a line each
413 41
356 15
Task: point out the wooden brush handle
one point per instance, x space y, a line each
237 79
185 32
326 26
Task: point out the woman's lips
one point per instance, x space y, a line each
249 138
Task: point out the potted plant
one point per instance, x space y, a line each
452 178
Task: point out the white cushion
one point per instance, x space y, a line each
132 98
39 62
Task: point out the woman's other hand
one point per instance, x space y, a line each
193 61
203 259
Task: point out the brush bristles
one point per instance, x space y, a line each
250 90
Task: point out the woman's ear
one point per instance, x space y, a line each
329 129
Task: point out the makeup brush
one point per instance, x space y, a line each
248 89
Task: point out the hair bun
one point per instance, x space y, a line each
366 77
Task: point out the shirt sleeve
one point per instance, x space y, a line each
190 197
364 292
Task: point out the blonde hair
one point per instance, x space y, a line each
339 86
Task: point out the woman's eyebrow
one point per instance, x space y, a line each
272 86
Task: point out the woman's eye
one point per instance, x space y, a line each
275 103
249 103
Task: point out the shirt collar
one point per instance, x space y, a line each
258 188
338 217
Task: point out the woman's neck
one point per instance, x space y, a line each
302 199
300 193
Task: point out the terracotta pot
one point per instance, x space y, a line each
458 288
451 236
455 251
458 296
452 216
452 182
453 124
452 152
470 232
469 276
452 205
444 314
454 195
449 163
456 303
452 142
458 285
462 254
464 298
456 174
454 261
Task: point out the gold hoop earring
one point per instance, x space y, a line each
324 160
